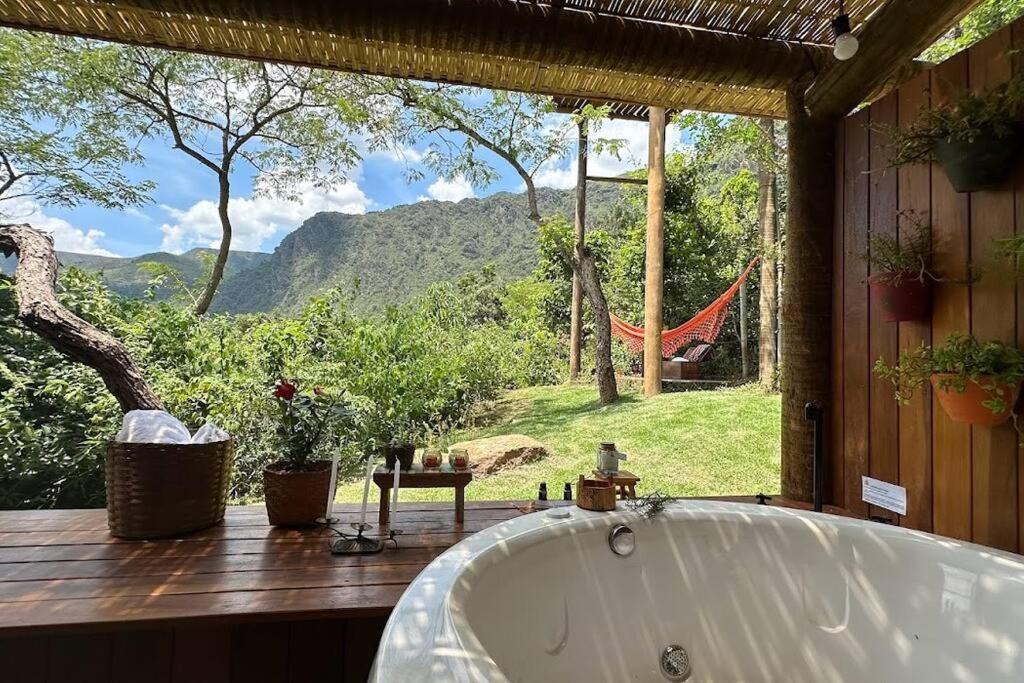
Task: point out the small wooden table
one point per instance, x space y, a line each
624 481
418 478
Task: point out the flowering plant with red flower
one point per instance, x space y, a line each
308 422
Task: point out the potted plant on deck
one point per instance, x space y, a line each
901 281
975 382
296 485
975 138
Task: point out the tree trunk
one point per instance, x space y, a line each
767 215
744 353
654 261
807 303
586 271
579 238
203 305
41 312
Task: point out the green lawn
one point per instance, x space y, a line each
687 443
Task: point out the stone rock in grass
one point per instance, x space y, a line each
499 453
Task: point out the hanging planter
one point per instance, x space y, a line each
975 139
902 295
901 281
976 382
974 404
980 163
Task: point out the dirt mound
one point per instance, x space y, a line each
499 453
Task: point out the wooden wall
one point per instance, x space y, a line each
961 481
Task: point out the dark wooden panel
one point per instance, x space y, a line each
361 639
317 651
915 419
951 455
82 658
259 653
145 655
24 659
856 372
1017 60
993 303
835 476
202 654
883 340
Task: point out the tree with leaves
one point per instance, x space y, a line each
982 21
289 125
57 145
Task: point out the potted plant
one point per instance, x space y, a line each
296 485
901 281
975 382
975 138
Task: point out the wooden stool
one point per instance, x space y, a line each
624 481
418 478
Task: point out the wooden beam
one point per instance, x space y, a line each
889 40
807 295
655 258
519 30
616 179
576 309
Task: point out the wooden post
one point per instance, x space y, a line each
576 310
744 354
655 270
807 295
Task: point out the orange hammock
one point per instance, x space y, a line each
704 326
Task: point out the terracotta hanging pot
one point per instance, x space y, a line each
296 497
901 296
968 406
979 164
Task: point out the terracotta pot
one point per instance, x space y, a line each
980 164
404 454
296 498
967 406
907 300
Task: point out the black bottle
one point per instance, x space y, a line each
567 492
542 494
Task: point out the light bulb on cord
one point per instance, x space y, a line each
846 44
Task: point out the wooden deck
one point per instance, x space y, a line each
239 602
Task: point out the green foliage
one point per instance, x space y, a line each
984 20
58 145
308 424
994 112
910 255
962 357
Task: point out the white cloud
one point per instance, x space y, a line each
256 219
66 237
453 190
561 173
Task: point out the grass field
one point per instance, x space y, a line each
687 443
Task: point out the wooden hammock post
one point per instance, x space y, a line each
576 311
655 271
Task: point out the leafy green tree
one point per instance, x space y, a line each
289 125
57 145
982 21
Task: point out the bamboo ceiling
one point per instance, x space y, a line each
719 55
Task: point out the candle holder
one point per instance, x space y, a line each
347 544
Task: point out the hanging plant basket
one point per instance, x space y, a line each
968 406
902 296
979 164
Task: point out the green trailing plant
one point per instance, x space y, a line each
993 112
650 506
306 423
910 255
961 359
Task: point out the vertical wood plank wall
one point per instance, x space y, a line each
962 482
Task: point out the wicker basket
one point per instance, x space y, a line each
156 490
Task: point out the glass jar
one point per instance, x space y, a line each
431 459
458 458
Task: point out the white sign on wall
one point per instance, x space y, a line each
884 495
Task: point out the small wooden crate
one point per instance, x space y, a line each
595 494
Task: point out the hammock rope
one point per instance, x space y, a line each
705 326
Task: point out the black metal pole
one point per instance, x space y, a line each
813 413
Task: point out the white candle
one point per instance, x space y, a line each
331 490
366 490
394 499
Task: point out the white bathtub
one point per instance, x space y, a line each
752 593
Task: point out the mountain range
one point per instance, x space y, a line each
383 257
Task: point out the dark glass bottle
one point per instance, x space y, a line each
542 494
567 491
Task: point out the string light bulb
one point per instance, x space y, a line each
846 44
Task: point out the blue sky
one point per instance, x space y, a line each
182 212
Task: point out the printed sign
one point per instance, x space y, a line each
884 495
